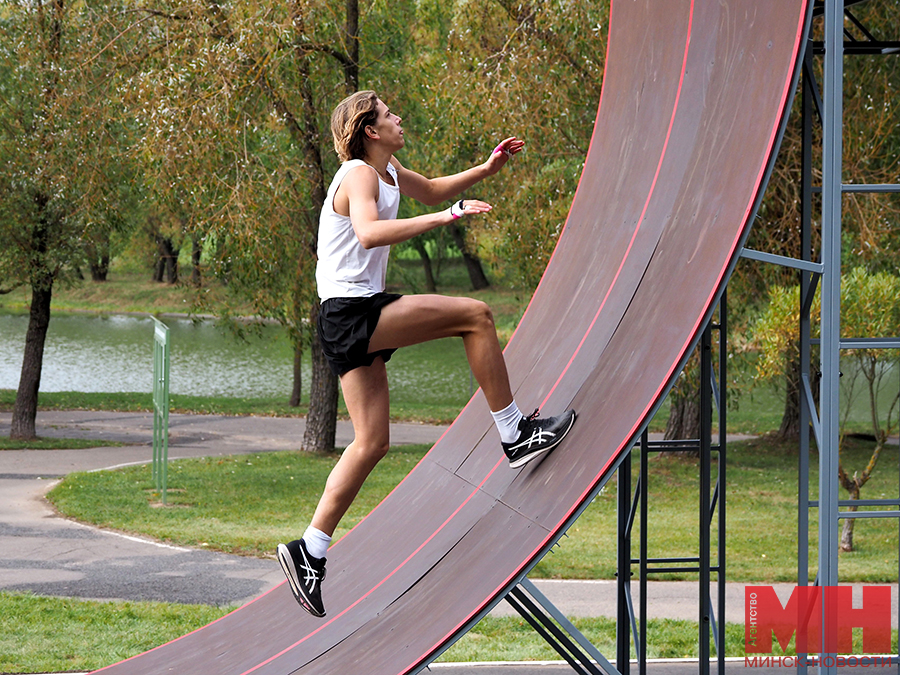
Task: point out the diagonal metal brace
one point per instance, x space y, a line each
562 635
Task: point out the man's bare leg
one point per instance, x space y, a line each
414 319
368 403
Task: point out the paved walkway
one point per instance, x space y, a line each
45 554
48 555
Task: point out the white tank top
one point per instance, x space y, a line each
345 269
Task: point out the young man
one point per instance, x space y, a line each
360 326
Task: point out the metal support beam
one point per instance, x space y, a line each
625 625
558 631
868 188
633 624
832 149
810 104
784 261
703 604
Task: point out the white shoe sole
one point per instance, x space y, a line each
522 461
290 571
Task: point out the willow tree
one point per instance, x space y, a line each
871 154
235 100
496 69
62 178
870 308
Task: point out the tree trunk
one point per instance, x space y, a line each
100 268
847 527
25 408
196 250
684 415
684 411
167 263
351 29
296 392
430 284
172 265
473 264
321 420
97 251
790 420
159 270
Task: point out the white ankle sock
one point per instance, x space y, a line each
316 542
507 421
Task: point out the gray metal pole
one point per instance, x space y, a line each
704 505
806 281
832 148
623 567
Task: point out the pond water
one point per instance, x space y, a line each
114 353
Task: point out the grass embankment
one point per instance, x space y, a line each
53 635
127 291
54 444
204 495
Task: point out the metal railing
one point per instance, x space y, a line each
160 406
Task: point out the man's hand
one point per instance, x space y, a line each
468 207
503 153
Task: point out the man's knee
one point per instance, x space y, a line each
375 450
480 315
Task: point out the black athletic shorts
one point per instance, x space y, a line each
345 327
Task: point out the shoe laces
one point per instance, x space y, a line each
534 415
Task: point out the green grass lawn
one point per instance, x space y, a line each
127 290
761 507
41 635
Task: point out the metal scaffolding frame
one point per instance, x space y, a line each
710 558
844 35
841 27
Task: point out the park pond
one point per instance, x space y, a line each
114 353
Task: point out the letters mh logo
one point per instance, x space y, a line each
814 611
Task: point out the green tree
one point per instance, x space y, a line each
231 146
489 70
62 175
236 101
870 307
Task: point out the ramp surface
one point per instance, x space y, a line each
695 94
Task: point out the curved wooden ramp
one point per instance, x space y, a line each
695 94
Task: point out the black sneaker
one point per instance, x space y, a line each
537 436
305 574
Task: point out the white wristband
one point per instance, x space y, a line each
457 210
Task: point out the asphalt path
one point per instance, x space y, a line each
46 554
